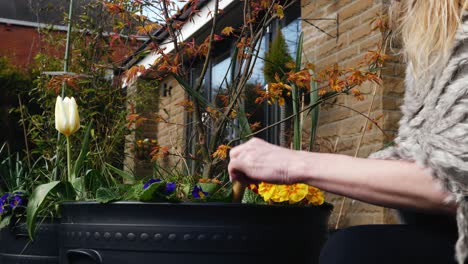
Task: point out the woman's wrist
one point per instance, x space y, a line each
319 169
306 167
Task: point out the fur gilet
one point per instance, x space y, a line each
433 130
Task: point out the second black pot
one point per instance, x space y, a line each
17 248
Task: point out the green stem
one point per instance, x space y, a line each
297 131
65 69
69 159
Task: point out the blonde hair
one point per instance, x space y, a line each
427 29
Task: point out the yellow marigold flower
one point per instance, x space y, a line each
297 192
315 196
293 194
280 194
266 190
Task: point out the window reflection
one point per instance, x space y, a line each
257 72
291 33
220 76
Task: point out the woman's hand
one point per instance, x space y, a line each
257 160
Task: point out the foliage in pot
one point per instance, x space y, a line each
212 120
17 180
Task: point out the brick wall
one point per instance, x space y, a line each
20 44
164 121
171 130
340 129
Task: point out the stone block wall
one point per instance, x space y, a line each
171 128
340 129
164 121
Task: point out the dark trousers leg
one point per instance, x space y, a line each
392 244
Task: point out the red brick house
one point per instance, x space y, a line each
20 24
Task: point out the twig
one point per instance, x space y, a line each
241 83
197 113
28 155
365 116
178 154
366 122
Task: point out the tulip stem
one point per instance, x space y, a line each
69 159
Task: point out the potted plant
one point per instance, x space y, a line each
189 215
17 180
158 226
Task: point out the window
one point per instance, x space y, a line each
291 28
218 77
267 114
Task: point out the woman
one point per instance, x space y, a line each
427 170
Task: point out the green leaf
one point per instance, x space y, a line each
134 192
93 180
314 98
5 221
83 153
297 137
194 93
186 189
78 185
251 197
151 193
296 122
243 123
106 195
209 187
223 195
299 52
173 198
39 198
126 175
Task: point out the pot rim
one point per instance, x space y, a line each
325 206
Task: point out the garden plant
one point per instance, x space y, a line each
90 112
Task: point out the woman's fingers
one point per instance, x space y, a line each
233 170
257 160
235 152
236 170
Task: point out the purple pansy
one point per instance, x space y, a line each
16 201
198 192
170 187
4 202
2 206
151 181
4 197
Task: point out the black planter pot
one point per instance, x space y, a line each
133 232
16 247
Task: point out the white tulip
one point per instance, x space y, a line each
67 120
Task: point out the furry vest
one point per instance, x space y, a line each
434 128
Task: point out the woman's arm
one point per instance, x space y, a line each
395 184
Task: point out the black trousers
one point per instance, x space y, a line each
392 244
